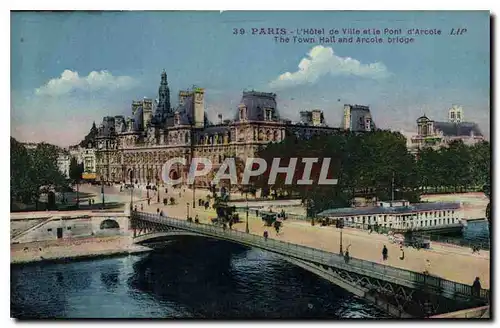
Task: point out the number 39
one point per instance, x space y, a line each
238 31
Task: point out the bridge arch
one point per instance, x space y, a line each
163 236
109 224
398 292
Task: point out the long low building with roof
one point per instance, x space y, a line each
400 216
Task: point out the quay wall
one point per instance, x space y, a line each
68 225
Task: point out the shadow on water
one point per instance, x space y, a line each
219 280
190 278
40 291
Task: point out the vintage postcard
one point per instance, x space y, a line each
250 165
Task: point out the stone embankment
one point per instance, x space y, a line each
73 248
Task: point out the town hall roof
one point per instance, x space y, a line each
255 103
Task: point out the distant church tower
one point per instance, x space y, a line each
163 108
456 114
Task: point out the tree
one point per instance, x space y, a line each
34 171
20 163
362 163
75 174
481 163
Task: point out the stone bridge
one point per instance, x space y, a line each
400 293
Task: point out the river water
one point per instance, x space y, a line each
189 278
192 278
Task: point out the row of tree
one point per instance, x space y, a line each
456 168
376 164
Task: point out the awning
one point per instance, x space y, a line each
88 176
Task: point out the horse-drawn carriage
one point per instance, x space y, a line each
269 218
226 214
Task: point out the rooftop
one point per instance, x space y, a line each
370 210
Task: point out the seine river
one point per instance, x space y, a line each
193 278
190 279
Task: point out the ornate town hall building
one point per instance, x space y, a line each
135 149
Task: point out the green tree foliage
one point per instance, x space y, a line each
366 163
75 170
34 171
20 183
455 168
362 163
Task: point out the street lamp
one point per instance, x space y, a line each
340 225
158 190
246 229
191 141
147 190
131 197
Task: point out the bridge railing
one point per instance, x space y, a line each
406 277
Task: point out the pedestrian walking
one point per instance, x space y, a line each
385 253
158 210
265 234
476 287
346 257
427 267
402 256
161 213
149 201
230 224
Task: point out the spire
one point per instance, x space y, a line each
164 77
163 106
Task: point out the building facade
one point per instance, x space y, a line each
133 150
436 134
401 216
63 162
89 163
76 152
357 118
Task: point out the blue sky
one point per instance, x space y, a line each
70 69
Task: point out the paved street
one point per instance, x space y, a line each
450 262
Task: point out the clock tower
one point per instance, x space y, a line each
163 108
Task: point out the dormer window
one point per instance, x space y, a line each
177 119
243 113
268 114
